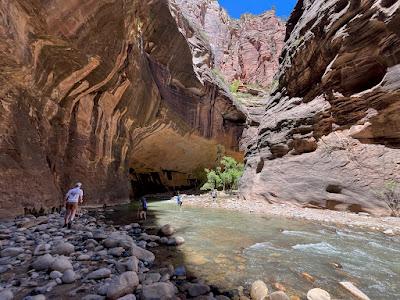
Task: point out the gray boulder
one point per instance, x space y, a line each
158 290
63 248
43 262
61 264
123 284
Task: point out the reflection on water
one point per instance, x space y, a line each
231 249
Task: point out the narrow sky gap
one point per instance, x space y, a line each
236 8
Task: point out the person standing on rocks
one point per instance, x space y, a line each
73 197
143 208
214 195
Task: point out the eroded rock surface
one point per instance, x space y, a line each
246 49
330 135
104 92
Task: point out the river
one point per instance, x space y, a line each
231 249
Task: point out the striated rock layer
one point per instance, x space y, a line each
330 135
246 49
105 92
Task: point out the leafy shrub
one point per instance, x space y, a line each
391 196
226 176
235 86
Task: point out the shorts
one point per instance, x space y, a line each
144 209
71 205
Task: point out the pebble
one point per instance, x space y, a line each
11 251
318 294
36 297
99 274
68 276
128 297
83 257
116 251
280 295
55 274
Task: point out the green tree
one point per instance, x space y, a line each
213 180
226 176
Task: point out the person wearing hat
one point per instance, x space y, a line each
73 197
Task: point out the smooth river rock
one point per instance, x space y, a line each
259 290
123 284
159 290
318 294
99 274
43 262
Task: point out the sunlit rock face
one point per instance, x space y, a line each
105 92
245 49
330 135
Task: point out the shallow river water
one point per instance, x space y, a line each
231 249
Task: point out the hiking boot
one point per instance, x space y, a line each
65 225
69 225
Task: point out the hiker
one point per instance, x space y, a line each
179 199
73 197
143 208
214 195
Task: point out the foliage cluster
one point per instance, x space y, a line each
391 196
235 86
225 176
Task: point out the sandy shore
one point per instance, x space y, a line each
388 225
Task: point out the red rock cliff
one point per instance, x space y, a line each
330 135
104 92
246 49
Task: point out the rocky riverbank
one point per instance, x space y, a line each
387 225
93 260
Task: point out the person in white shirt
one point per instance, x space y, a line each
73 197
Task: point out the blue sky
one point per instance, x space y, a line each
236 8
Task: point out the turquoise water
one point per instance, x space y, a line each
232 249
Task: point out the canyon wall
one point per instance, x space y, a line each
330 134
245 49
108 93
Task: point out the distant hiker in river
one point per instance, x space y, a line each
72 199
179 199
214 194
143 208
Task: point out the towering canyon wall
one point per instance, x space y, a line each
245 49
104 92
330 135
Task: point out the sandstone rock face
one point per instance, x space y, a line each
105 92
246 49
330 135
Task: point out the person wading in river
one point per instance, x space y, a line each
179 199
143 208
73 197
